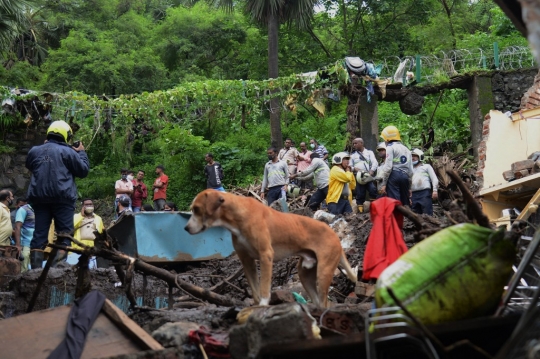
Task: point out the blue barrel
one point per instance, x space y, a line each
159 237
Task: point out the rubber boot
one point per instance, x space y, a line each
36 259
61 256
361 209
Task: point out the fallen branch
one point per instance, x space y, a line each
170 278
473 206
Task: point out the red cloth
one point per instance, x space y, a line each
216 345
385 243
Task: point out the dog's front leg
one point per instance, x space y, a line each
266 261
250 270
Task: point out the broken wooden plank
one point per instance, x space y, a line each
129 326
530 208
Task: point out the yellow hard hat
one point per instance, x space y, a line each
60 128
390 133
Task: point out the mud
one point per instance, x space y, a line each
59 289
60 285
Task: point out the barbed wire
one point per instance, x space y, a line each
435 67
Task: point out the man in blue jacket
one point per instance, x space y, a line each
52 191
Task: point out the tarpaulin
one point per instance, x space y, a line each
385 243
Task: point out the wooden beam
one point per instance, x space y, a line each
396 94
527 211
129 327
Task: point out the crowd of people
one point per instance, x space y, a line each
395 172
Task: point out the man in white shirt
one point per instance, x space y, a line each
424 184
122 187
363 160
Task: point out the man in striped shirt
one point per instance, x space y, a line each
320 150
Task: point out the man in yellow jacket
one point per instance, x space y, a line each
85 224
341 185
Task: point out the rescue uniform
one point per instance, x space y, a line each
320 171
364 161
52 191
424 179
397 172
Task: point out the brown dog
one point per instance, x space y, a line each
259 232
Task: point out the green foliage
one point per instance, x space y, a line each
450 122
5 149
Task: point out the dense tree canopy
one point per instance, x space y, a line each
121 47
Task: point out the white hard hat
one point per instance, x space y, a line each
419 153
293 190
381 146
363 177
338 157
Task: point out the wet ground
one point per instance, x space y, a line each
60 285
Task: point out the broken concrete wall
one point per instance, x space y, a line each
504 142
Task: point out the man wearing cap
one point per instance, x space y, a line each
340 185
52 191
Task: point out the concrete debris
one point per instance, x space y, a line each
174 334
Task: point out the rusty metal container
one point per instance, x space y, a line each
160 237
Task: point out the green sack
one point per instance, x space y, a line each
457 273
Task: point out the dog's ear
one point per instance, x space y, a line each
213 202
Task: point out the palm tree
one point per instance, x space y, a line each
12 21
270 14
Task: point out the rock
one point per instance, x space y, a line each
522 165
21 182
521 174
363 290
508 175
269 326
281 296
352 299
411 104
174 334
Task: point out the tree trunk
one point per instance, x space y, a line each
275 124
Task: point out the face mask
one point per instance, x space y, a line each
312 145
414 163
270 157
10 202
124 177
130 178
89 210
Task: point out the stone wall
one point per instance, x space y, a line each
13 173
508 88
531 99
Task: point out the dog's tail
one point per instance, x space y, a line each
344 263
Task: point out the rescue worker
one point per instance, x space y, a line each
381 154
363 163
52 191
340 185
319 170
397 169
424 184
